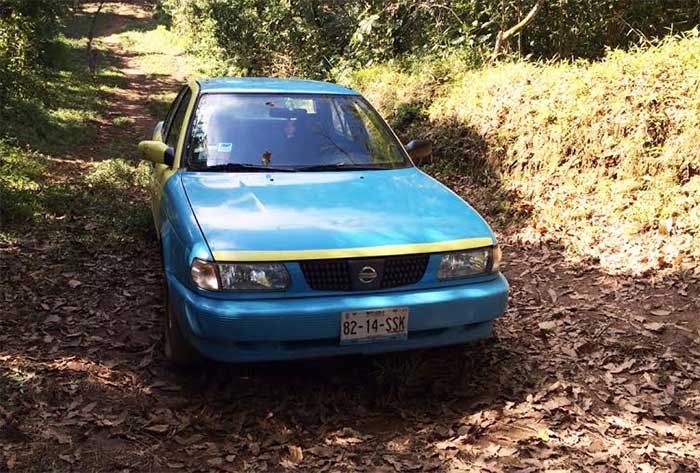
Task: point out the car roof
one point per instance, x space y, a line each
270 85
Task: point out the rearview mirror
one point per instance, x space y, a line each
420 151
157 152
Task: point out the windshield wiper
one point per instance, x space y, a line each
243 167
343 167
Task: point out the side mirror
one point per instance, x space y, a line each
420 151
158 131
157 152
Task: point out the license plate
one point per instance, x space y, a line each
359 326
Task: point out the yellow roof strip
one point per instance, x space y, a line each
388 250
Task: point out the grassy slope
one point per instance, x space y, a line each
603 157
42 184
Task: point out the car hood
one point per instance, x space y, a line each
309 215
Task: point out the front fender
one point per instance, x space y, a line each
181 236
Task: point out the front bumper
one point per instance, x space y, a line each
307 327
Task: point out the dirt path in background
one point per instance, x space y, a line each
587 372
132 101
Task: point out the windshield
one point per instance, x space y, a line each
239 132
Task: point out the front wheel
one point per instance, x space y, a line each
178 350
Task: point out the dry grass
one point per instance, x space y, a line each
605 155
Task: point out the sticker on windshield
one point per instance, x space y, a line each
225 147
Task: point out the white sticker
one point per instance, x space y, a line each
225 147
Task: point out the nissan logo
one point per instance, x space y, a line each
367 275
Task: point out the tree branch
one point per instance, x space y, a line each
504 36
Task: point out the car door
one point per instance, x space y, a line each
171 132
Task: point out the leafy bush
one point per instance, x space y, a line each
123 122
20 173
605 155
116 175
316 40
27 27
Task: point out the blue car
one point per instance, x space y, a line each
294 224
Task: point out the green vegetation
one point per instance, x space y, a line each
596 152
598 156
319 40
27 30
114 176
160 51
123 122
31 194
19 182
53 115
603 157
60 102
158 104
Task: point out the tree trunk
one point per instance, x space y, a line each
92 55
504 36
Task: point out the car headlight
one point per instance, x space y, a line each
239 276
460 264
203 274
253 276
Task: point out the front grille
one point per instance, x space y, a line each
327 275
338 274
403 270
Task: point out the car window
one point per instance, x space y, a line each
290 130
178 119
171 112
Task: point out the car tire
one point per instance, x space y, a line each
178 351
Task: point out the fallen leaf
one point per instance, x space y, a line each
549 325
556 403
192 439
296 455
616 369
73 283
654 326
660 312
569 351
158 428
632 408
59 437
218 461
116 422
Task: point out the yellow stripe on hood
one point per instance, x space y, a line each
364 252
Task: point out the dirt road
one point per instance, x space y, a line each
587 372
